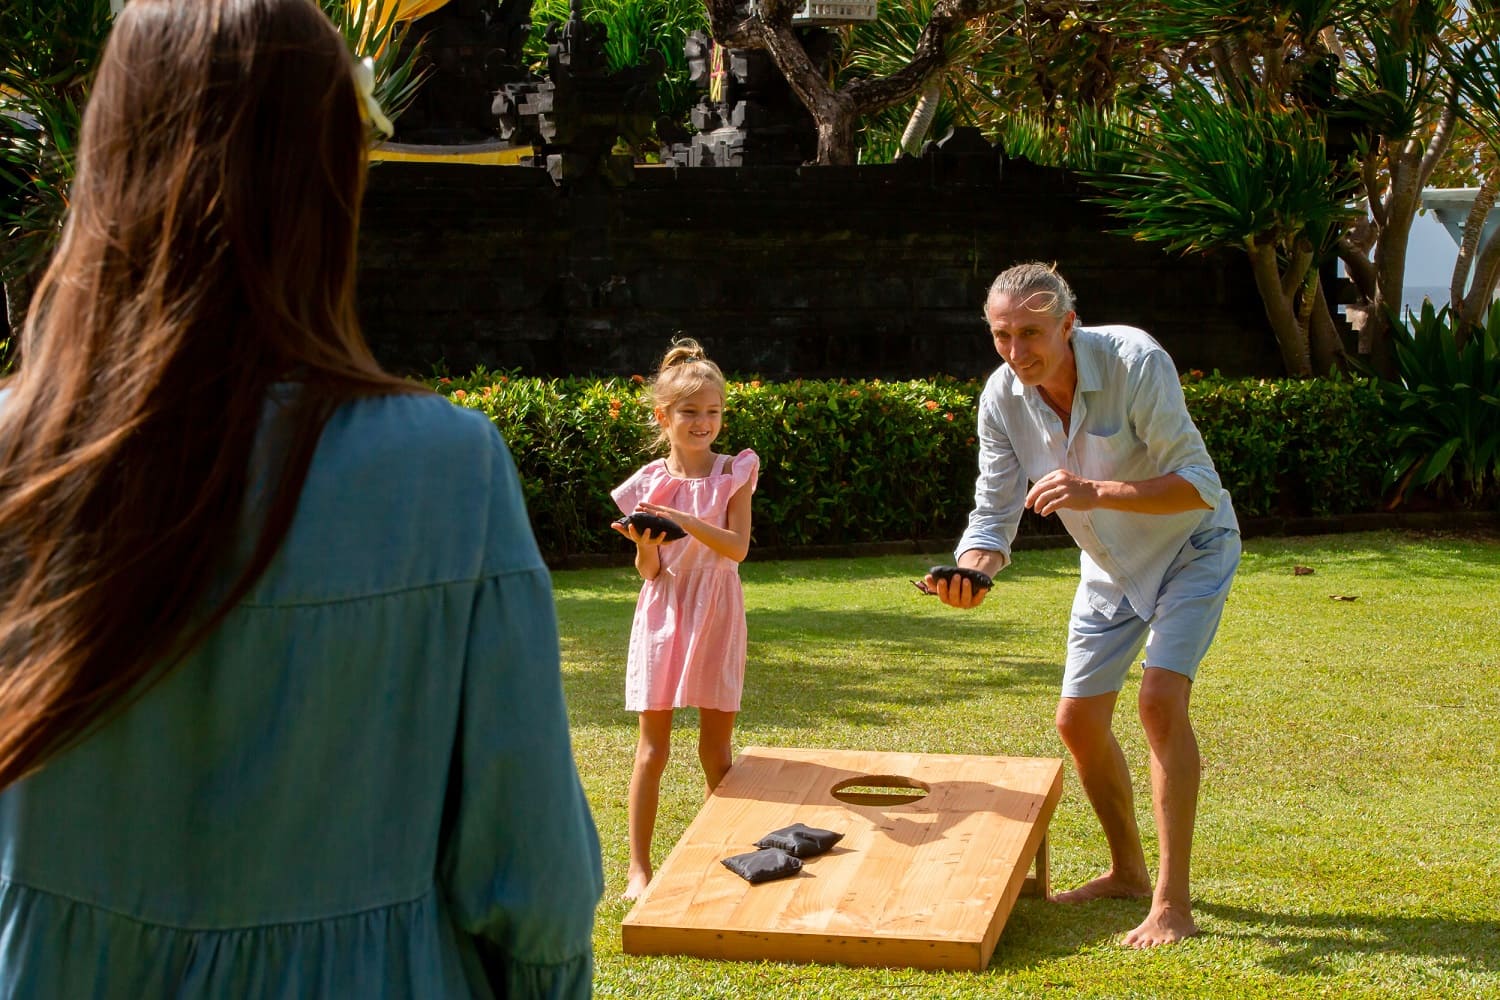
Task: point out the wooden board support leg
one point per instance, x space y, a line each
1039 883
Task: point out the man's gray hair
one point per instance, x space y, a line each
1036 286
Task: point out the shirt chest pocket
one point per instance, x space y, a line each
1104 447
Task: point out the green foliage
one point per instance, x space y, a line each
48 51
1443 412
1394 79
1217 170
1095 140
871 460
879 48
1291 446
379 39
635 27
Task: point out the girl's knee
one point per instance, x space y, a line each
651 754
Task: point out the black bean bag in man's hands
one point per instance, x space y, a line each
977 580
801 841
763 866
654 524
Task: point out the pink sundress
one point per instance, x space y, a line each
687 643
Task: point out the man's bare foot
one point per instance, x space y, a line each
1165 924
1106 886
636 886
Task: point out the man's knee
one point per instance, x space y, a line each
1163 701
1084 723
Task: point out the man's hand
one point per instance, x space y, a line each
961 593
1061 490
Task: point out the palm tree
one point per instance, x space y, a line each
48 51
838 107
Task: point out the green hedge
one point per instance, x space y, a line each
871 460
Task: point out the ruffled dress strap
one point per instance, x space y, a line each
745 468
640 486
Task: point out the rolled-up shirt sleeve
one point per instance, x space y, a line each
1000 487
1159 415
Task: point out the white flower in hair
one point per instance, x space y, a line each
364 82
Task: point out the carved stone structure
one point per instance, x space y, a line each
749 115
576 116
471 48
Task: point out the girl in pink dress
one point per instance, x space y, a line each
687 644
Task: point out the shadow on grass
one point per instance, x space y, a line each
1304 941
1042 931
804 669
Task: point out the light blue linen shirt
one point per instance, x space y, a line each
1129 422
359 786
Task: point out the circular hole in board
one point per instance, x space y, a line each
880 790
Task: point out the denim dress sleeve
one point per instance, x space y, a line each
520 860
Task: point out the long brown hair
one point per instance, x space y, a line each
209 254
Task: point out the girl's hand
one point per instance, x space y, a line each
640 538
682 517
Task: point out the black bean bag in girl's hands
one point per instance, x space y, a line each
977 580
653 524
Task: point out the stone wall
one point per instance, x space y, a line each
875 271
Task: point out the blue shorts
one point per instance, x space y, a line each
1101 648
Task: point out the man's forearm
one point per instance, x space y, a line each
1168 494
987 561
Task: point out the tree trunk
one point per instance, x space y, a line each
837 114
1295 354
922 115
1326 346
837 134
1476 266
17 295
1468 248
1476 305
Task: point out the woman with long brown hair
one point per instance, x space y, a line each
280 706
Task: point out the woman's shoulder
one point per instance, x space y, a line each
421 420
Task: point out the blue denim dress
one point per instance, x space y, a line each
361 785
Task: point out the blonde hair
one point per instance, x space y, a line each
684 370
1035 285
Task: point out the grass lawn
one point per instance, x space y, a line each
1348 841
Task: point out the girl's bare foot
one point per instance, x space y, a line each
637 885
1165 924
1107 886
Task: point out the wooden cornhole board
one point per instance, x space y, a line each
926 883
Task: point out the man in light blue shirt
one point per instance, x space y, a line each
1095 420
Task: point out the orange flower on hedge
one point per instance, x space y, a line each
755 383
930 404
637 379
948 416
445 381
853 392
460 394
